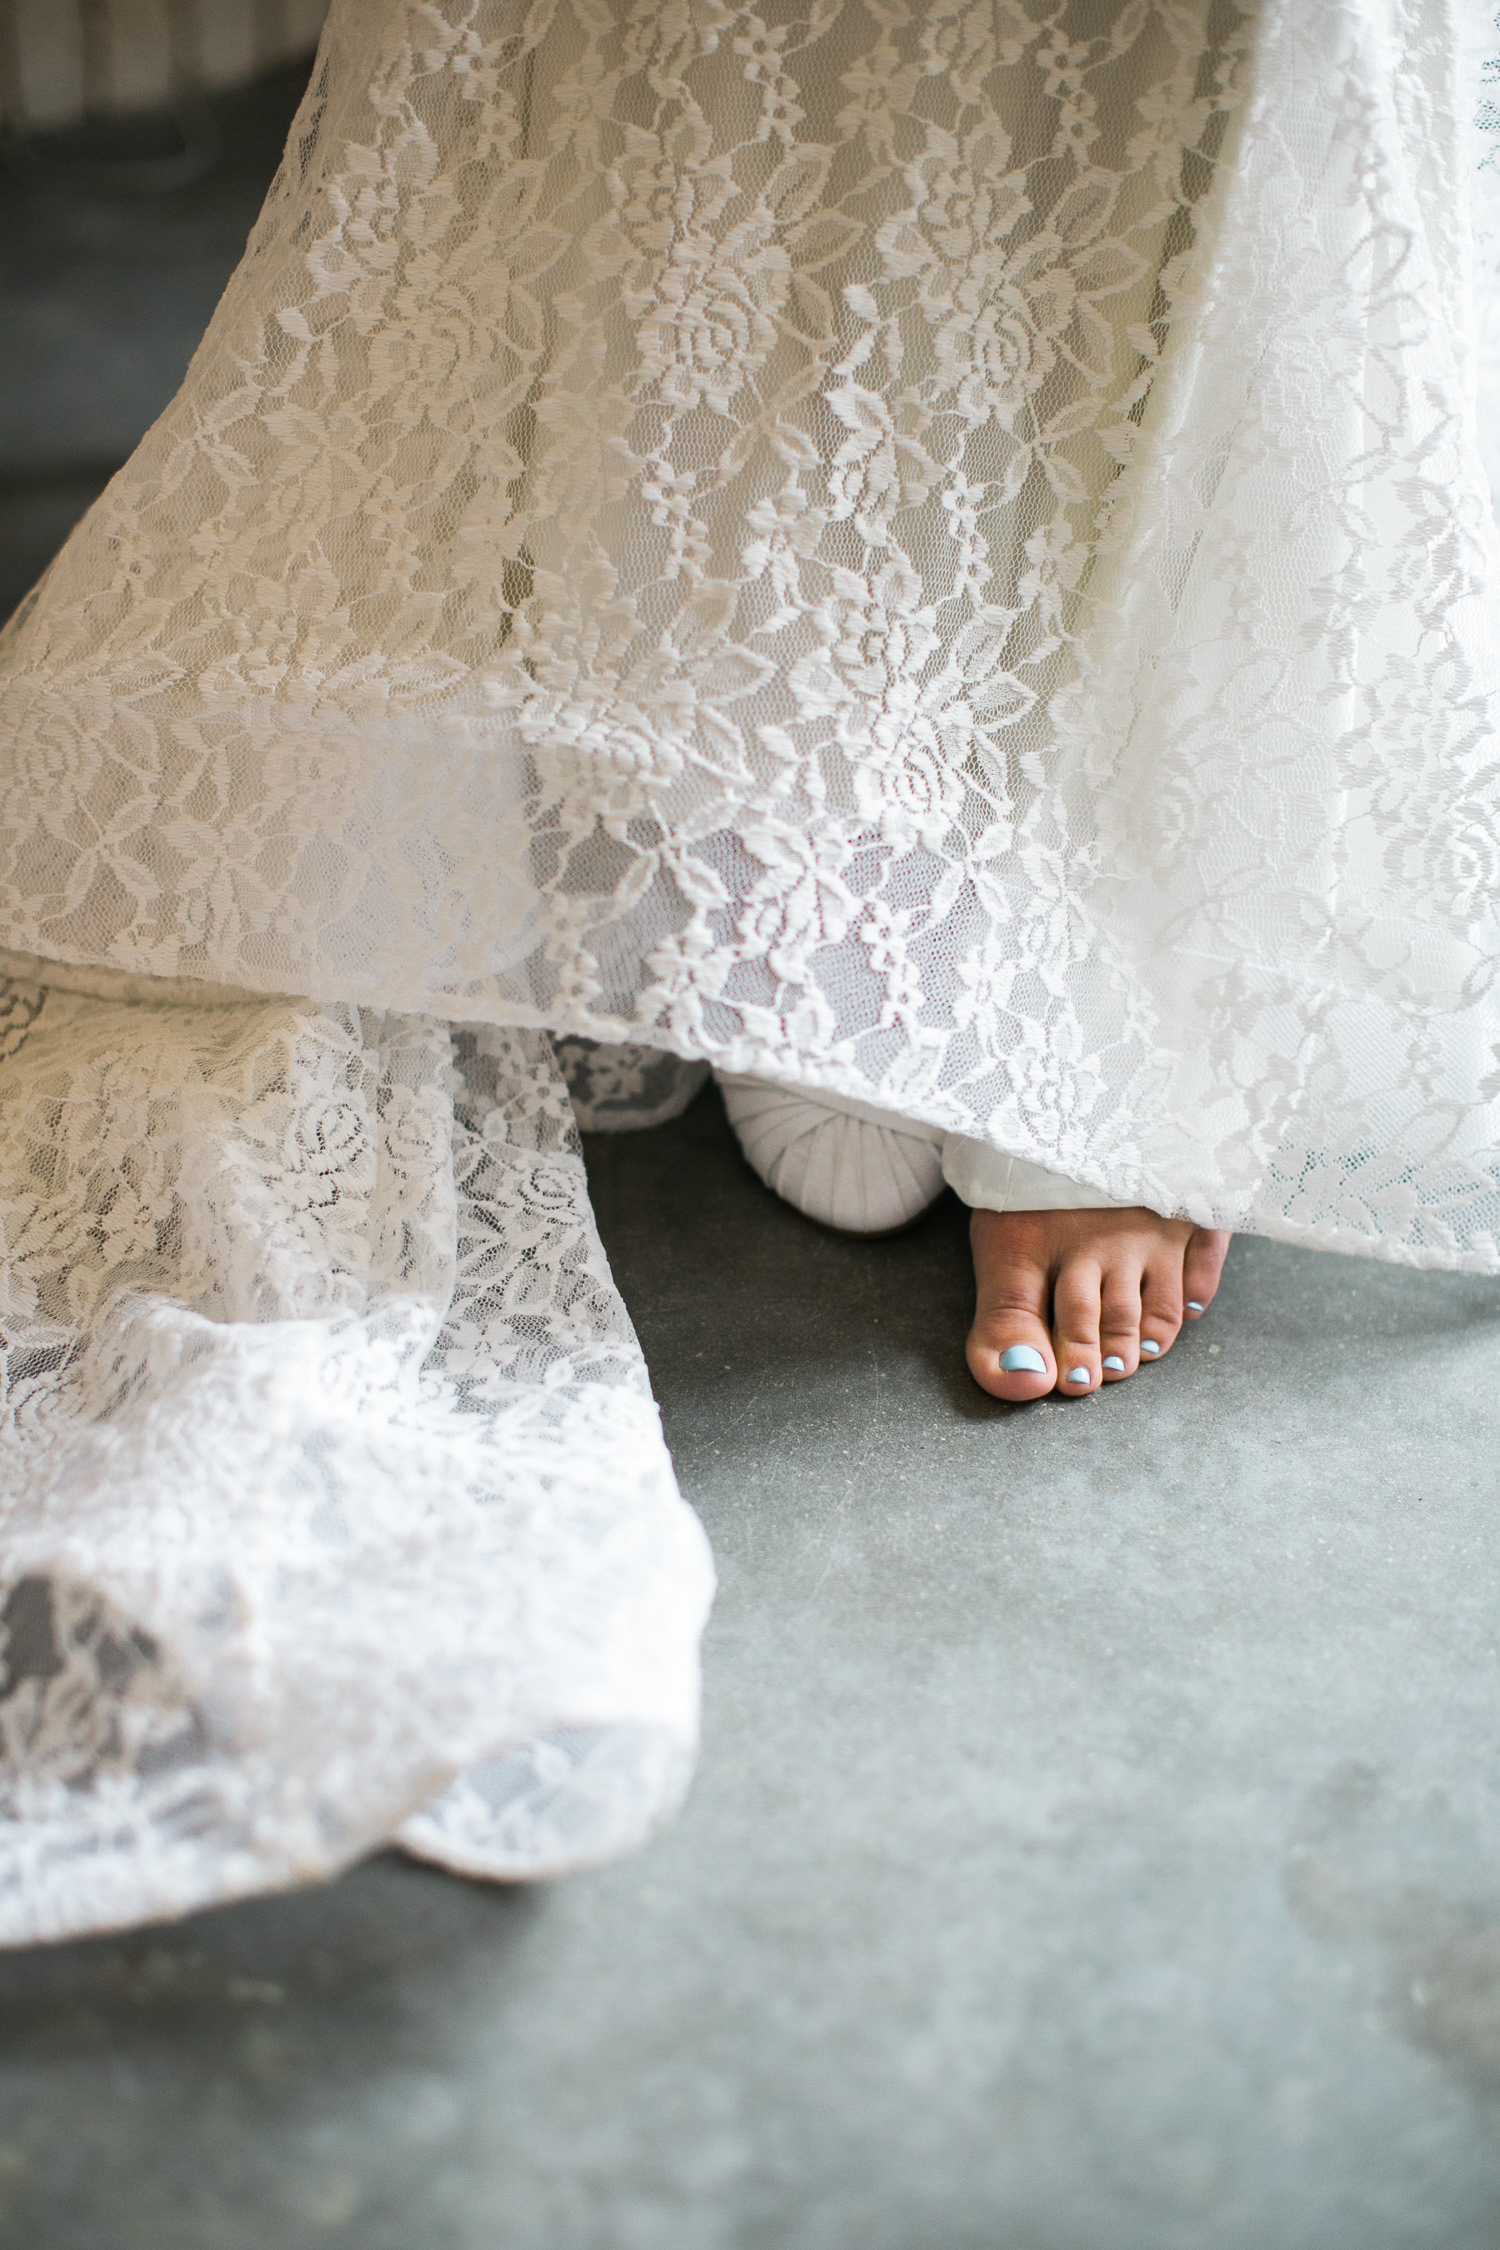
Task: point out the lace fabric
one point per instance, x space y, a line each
626 1089
936 552
331 1472
932 550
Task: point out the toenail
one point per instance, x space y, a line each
1149 1348
1023 1359
1193 1305
1115 1364
1078 1374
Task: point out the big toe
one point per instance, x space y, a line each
1009 1349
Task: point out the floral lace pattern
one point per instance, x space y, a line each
931 550
935 550
625 1089
329 1469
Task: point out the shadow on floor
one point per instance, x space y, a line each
692 1232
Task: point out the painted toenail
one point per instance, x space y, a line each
1078 1374
1149 1348
1193 1305
1023 1359
1115 1364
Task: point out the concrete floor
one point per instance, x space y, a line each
1097 1843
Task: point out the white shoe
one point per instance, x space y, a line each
840 1162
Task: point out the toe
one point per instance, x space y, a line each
1075 1327
1009 1350
1161 1301
1120 1319
1201 1268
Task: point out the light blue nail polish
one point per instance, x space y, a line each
1023 1359
1193 1305
1115 1364
1149 1348
1078 1374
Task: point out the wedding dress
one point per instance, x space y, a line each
933 552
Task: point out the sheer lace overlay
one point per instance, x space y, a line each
934 550
330 1465
626 1089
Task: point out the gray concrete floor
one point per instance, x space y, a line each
1097 1843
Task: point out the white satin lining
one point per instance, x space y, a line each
989 1181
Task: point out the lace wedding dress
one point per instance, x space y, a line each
932 550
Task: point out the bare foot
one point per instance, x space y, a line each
1073 1299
